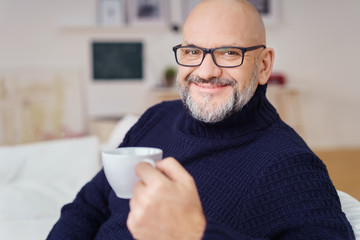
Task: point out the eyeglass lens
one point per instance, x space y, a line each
223 56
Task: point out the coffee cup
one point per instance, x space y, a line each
119 167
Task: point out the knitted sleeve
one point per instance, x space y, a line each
82 218
294 198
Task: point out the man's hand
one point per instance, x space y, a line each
165 204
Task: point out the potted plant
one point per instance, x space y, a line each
170 76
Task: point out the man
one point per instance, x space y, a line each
236 171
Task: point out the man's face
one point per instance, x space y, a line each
205 108
212 93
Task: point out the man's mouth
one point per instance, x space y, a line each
209 85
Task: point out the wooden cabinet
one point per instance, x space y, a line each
164 94
287 103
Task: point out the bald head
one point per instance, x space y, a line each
235 20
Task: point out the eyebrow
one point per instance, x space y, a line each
193 45
189 44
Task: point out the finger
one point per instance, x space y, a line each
147 173
138 192
173 170
139 189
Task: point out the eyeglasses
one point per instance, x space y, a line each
226 57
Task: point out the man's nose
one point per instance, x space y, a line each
208 69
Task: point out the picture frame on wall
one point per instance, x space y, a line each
111 12
268 9
147 12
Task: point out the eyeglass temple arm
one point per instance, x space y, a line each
254 47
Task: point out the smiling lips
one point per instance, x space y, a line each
210 88
209 85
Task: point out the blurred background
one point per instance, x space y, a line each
75 75
60 61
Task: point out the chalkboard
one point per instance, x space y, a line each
117 61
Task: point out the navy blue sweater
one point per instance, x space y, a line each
257 179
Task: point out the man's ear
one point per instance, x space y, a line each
265 65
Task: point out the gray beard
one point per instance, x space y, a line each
208 112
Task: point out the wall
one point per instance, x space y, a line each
316 45
58 34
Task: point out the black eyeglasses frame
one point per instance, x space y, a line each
211 50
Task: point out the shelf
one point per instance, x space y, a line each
126 29
165 94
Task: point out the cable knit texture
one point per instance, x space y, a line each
257 179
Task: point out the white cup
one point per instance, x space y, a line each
119 167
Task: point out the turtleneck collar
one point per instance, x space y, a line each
257 114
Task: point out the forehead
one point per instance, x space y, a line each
214 24
212 38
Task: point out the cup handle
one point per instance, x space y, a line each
149 161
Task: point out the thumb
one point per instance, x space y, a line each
173 170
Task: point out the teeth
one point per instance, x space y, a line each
207 85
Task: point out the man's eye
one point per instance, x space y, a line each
231 53
192 52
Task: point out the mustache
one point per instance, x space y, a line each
214 81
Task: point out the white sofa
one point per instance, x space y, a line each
37 179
